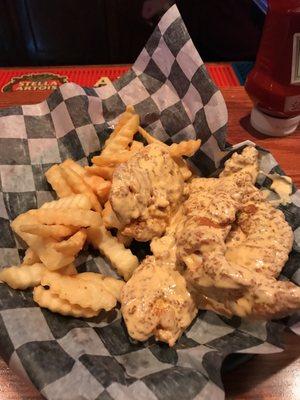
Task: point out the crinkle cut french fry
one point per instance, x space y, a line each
119 157
119 143
185 148
112 285
84 293
30 257
58 182
51 258
79 186
69 163
23 276
121 122
106 172
112 158
125 135
121 258
100 186
46 299
54 231
81 201
102 189
73 245
150 139
81 218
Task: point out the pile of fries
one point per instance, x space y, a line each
57 231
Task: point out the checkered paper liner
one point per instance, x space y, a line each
68 358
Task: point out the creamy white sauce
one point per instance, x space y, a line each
282 185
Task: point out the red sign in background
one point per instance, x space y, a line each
13 79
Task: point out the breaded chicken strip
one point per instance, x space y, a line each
208 214
264 237
233 272
155 301
145 191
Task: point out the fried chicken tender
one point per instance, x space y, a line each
208 214
266 299
145 191
260 239
264 237
155 301
233 270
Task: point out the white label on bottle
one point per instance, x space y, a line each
292 103
296 59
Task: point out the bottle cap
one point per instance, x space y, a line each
272 126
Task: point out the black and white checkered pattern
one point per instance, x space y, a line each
72 359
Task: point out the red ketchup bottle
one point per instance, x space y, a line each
274 83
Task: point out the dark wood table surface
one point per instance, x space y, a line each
273 376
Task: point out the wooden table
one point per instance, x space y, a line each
275 376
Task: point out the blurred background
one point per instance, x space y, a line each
62 32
